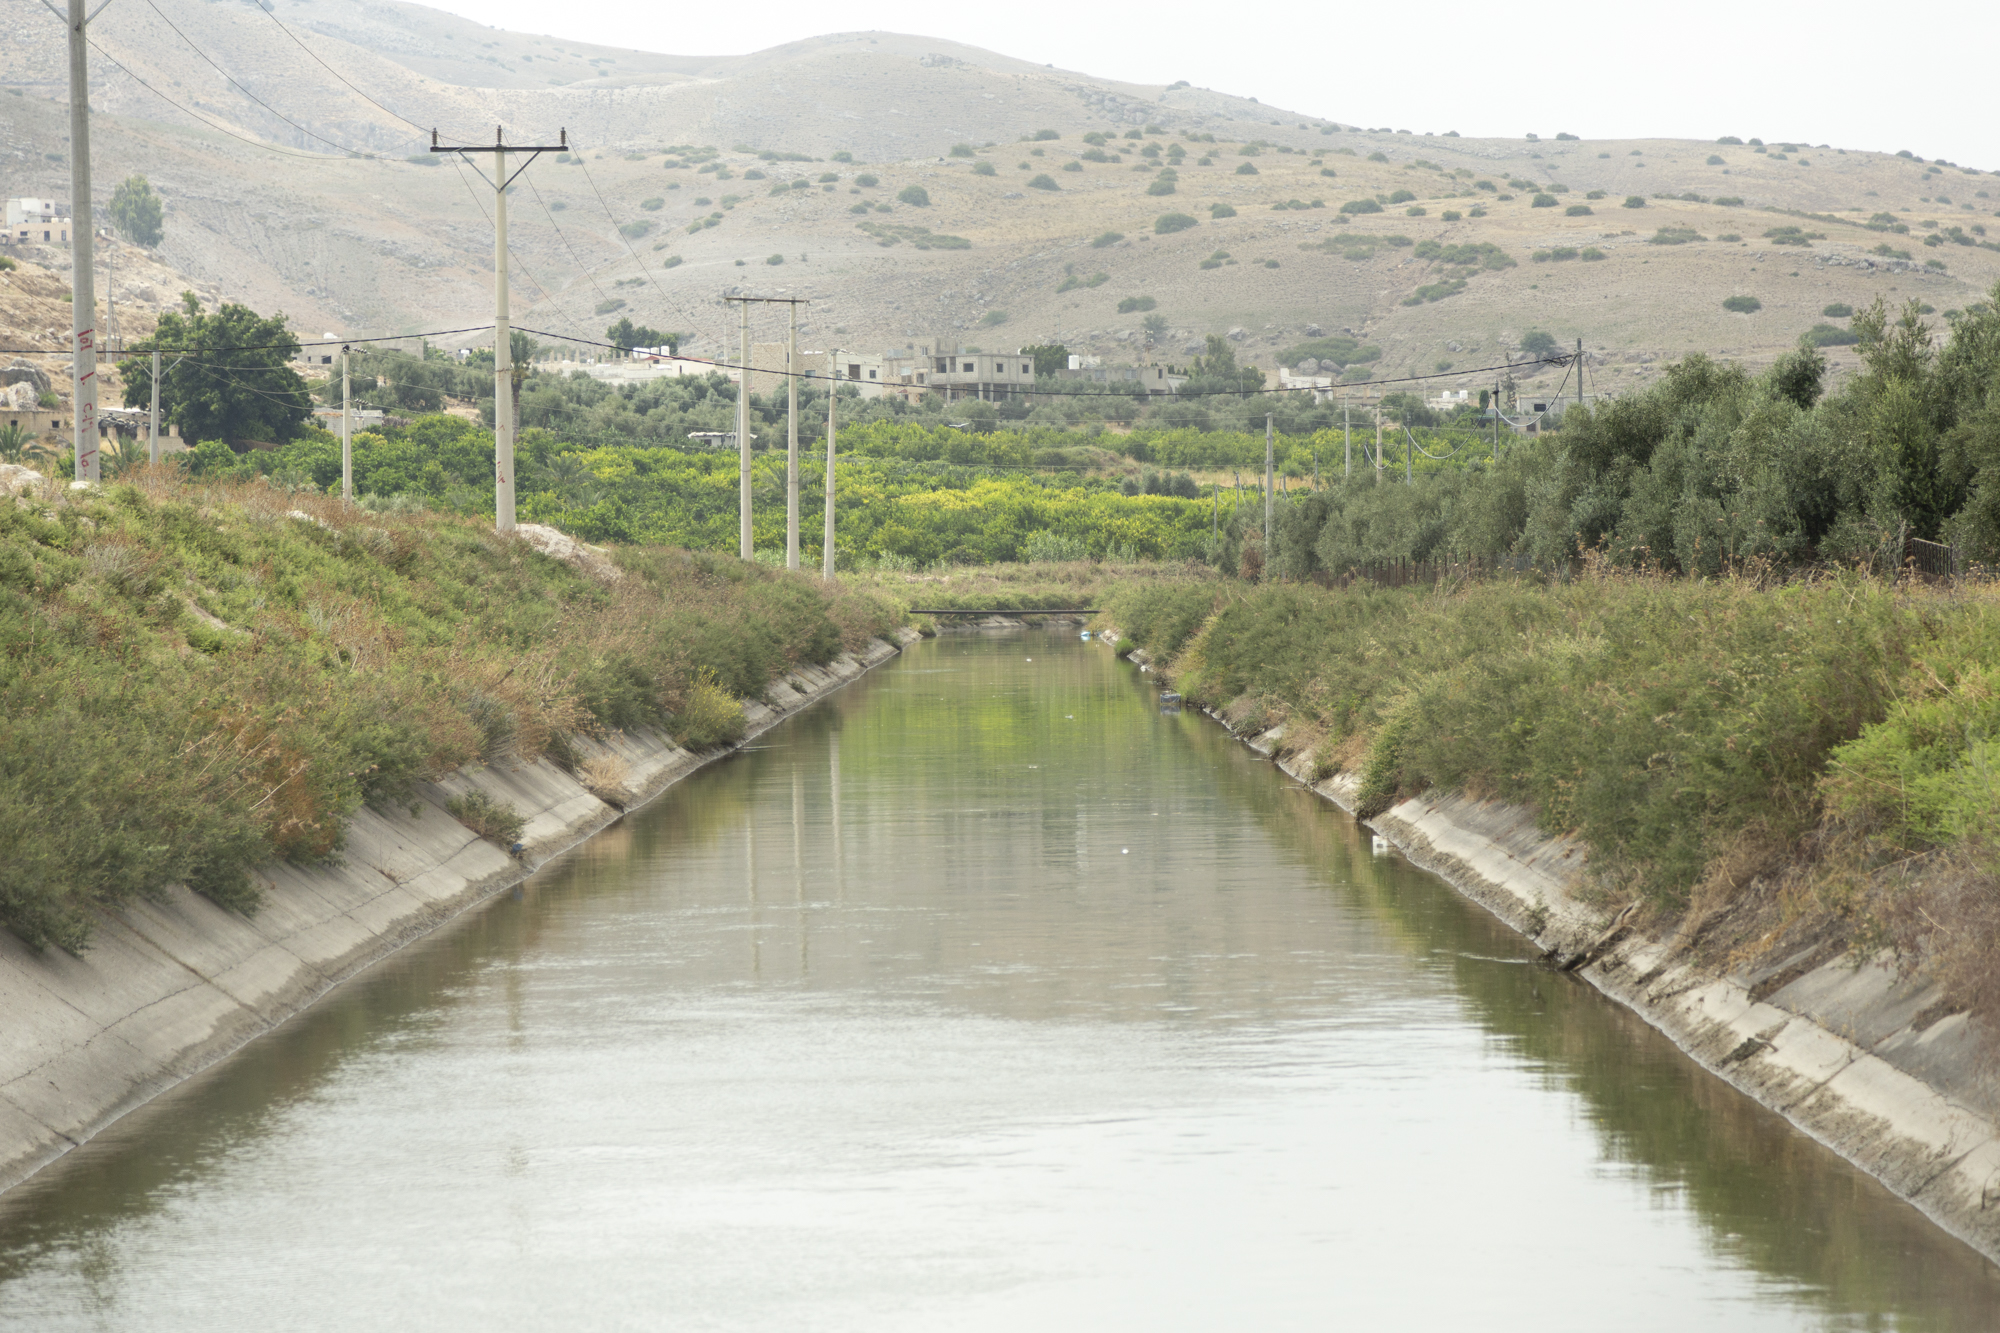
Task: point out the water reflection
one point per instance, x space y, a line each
986 993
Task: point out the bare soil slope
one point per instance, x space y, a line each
374 244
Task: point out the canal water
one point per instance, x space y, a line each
984 995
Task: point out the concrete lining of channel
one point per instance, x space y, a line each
1843 1052
169 988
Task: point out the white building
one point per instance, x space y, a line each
36 222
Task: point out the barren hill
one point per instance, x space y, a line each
372 243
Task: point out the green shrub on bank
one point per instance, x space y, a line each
495 821
1660 719
200 678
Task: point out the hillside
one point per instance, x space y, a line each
380 245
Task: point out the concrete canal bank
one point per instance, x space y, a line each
170 987
1872 1065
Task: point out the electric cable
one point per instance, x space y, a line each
272 15
247 93
459 165
591 181
196 116
1557 360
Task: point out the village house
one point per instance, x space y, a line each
36 222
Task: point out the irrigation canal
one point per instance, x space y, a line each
984 995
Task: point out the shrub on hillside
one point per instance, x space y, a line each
1167 223
1742 305
916 196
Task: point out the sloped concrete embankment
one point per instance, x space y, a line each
1870 1064
170 987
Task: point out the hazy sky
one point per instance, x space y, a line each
1836 73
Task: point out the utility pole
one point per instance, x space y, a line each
1267 484
1409 448
154 452
1347 426
792 445
792 437
1496 423
1579 372
82 233
503 340
832 397
1378 445
347 431
747 549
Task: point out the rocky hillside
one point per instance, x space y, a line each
690 157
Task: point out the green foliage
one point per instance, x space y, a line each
916 196
1168 223
984 169
197 682
1401 196
1049 358
1578 211
1715 160
1341 349
1127 305
1675 236
888 234
1838 310
233 379
1246 169
1043 181
1659 720
1635 201
866 180
1742 305
625 335
1545 200
1831 335
1107 238
962 150
136 212
495 821
1221 211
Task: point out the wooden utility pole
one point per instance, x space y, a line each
832 398
503 339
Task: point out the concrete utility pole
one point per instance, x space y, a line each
1378 444
1579 372
503 340
82 234
792 445
1268 459
747 543
347 432
154 452
832 397
1347 426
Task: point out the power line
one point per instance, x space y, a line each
272 15
578 157
294 344
459 166
245 91
197 117
1558 359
